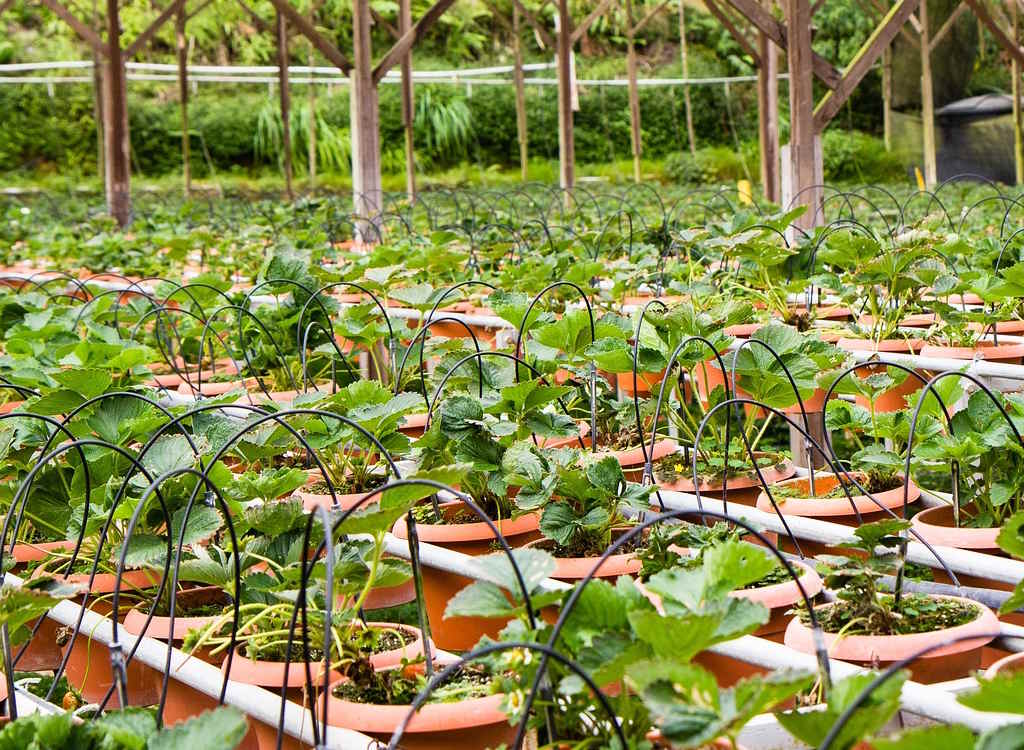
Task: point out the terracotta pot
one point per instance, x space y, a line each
160 627
26 552
462 633
812 404
88 665
743 489
895 398
217 389
632 459
837 509
1012 354
413 424
1002 326
945 663
742 330
10 406
935 525
645 381
914 320
1007 665
473 724
567 442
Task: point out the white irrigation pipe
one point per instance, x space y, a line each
916 698
267 74
261 704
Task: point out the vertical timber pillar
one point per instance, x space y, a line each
804 157
365 122
286 103
887 97
117 146
768 115
1018 146
186 145
517 74
927 100
566 144
634 94
408 113
687 106
311 144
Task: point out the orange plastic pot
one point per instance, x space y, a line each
88 663
473 724
878 651
1012 354
462 633
743 489
645 382
893 399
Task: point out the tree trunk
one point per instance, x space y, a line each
286 103
115 111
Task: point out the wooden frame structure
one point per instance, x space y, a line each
752 23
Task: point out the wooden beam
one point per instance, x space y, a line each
768 116
202 6
148 32
566 141
862 62
634 94
364 126
981 11
691 136
261 25
84 31
880 10
536 25
181 45
408 111
324 46
651 14
802 152
517 74
383 22
118 142
400 48
739 36
931 170
939 35
1018 133
816 7
579 31
764 21
281 30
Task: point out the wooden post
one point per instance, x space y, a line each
117 146
803 155
634 94
98 89
768 115
186 145
887 97
1018 156
408 112
286 102
566 144
517 74
311 125
927 101
687 107
365 121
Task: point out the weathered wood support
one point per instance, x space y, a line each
1018 156
281 28
927 102
365 120
117 146
522 133
566 144
768 116
804 158
408 111
181 44
687 105
634 93
887 97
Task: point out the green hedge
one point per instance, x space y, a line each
46 133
